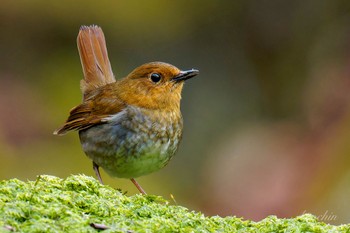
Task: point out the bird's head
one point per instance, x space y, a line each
155 85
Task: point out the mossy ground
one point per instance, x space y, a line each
51 204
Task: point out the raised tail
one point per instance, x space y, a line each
94 58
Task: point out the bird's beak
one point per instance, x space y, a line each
187 74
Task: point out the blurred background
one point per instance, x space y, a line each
267 121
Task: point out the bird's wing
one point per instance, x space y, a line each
99 106
94 59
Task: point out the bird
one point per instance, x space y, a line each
132 126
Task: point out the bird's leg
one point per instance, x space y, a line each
97 172
138 186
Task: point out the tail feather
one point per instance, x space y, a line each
94 58
97 73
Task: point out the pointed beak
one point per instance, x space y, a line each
184 75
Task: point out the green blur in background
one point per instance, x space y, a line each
266 123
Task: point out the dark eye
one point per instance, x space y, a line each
155 77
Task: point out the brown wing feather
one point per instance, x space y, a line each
79 118
94 58
100 103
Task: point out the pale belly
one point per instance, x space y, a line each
131 147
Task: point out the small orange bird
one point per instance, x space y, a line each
130 127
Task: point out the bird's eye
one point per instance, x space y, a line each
155 77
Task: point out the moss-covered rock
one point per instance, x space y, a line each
81 204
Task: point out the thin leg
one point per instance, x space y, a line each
138 186
97 172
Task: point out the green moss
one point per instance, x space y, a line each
51 204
